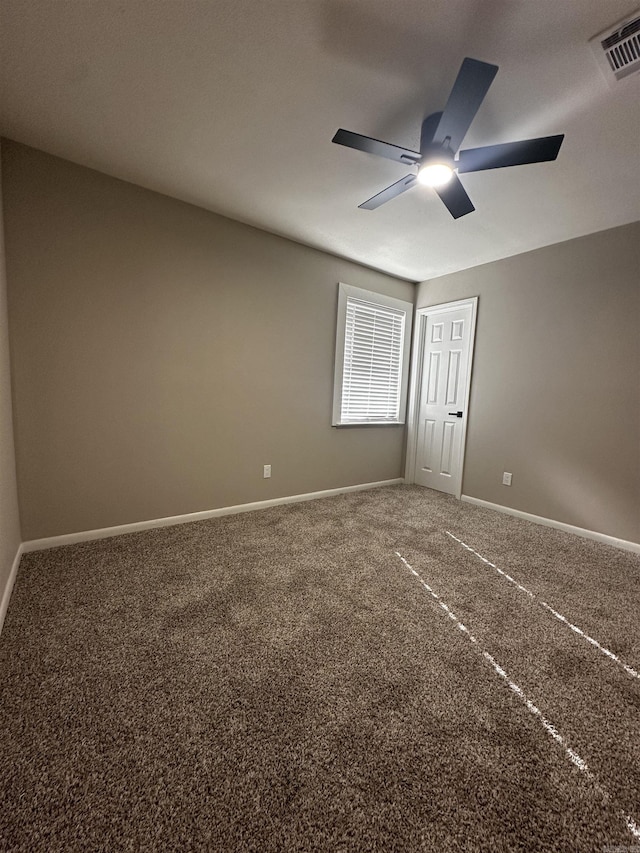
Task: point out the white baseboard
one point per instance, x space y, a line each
559 525
8 589
170 521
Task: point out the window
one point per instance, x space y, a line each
372 358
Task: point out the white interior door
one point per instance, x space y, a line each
443 394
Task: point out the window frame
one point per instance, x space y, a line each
345 293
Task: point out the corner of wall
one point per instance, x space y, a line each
10 537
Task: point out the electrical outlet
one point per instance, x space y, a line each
506 479
266 472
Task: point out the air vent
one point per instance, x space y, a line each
618 49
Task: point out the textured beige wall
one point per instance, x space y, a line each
9 521
163 354
555 395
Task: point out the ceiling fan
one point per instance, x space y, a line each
440 138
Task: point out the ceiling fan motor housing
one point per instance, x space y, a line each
438 152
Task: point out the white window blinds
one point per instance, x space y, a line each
372 367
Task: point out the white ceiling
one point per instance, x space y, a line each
232 104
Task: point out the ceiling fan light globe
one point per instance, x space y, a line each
435 174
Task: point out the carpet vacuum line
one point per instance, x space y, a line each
632 825
629 670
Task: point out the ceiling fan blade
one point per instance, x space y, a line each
375 146
539 150
455 198
469 90
390 192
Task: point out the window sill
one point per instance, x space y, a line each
369 424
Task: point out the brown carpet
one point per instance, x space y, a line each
281 681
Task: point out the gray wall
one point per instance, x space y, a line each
555 395
9 521
163 354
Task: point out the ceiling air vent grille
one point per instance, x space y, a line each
618 49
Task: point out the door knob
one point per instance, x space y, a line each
457 414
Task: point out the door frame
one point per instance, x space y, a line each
417 364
